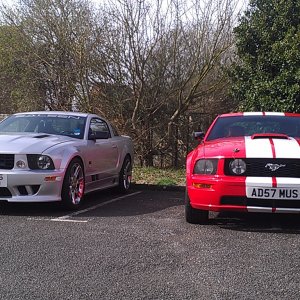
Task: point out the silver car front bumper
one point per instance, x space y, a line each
31 186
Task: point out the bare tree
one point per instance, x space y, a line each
149 66
21 89
169 56
60 34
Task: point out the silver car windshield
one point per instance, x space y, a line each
67 125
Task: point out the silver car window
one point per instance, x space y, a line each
98 125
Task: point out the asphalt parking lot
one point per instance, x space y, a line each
140 247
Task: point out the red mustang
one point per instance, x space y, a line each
247 162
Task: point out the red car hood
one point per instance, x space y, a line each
224 147
250 147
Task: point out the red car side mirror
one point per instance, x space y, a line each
199 136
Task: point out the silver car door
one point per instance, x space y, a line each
105 154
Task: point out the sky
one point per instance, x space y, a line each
242 3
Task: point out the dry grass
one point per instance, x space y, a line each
166 177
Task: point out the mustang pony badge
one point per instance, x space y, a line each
274 167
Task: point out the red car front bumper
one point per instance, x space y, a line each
228 193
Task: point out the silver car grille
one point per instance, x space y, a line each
7 161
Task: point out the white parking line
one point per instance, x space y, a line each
56 220
66 218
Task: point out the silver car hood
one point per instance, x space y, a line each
30 143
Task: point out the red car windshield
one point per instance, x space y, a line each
233 126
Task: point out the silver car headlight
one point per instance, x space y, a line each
40 162
206 166
237 167
44 162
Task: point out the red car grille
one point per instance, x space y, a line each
268 167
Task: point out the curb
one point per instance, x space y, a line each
153 187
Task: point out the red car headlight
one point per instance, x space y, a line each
206 166
237 167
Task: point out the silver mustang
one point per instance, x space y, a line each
60 156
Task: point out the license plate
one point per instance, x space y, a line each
273 193
3 180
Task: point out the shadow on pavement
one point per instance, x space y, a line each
257 222
144 202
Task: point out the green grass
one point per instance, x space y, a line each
156 176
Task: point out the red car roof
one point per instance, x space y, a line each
260 114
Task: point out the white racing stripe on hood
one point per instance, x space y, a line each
286 148
262 148
258 148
